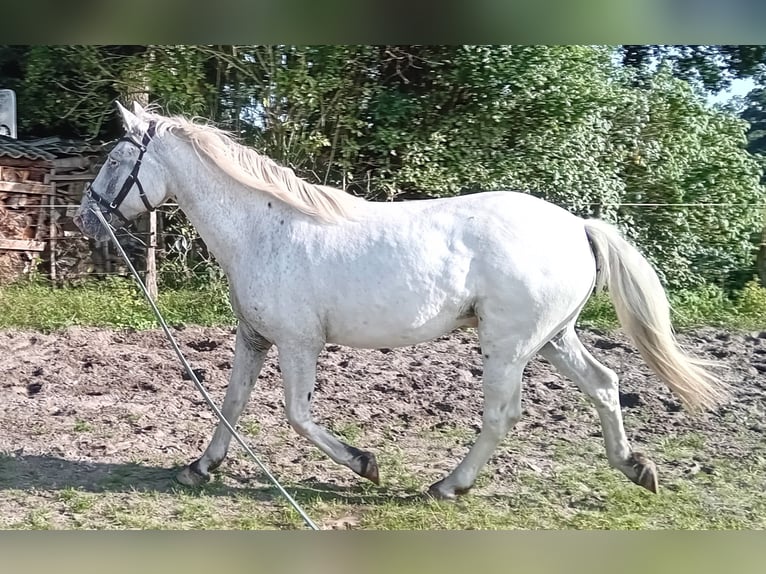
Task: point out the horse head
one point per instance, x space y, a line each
130 182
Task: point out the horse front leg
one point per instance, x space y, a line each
502 410
298 367
250 352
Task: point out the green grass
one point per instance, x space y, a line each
82 426
109 303
118 303
582 493
706 306
249 426
347 431
578 490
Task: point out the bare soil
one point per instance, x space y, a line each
83 403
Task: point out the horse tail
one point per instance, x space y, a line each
644 313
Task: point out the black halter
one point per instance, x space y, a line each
112 207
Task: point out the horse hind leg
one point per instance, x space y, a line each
502 410
600 384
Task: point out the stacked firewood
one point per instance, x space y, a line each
22 216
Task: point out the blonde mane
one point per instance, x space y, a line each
260 172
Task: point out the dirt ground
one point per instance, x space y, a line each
77 404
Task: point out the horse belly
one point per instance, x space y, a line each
393 326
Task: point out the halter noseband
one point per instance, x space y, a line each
113 206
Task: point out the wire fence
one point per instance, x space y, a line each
181 253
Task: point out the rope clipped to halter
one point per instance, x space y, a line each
310 523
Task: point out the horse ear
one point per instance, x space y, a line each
129 119
137 109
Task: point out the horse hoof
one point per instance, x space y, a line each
364 464
188 476
437 493
369 466
440 491
645 472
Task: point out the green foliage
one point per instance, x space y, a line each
185 262
710 305
754 112
691 155
567 123
712 67
599 313
705 306
751 303
177 77
63 90
69 90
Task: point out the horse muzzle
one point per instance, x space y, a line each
90 226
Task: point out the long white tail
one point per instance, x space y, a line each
644 313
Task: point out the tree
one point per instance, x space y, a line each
567 123
754 112
712 67
688 157
562 122
70 90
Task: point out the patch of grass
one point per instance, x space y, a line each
117 302
599 313
113 302
75 500
706 306
34 519
685 445
348 431
397 470
579 491
448 435
250 427
82 426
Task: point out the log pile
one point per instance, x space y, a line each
23 197
70 254
41 183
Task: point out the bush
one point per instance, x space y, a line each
750 304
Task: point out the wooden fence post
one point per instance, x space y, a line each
151 256
52 230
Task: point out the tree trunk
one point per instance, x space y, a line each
137 89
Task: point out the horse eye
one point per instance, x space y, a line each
113 162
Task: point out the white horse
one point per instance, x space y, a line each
310 265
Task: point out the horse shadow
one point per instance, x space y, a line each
51 473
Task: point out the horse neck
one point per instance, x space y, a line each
228 215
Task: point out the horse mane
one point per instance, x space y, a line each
259 172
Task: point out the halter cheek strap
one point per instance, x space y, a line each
113 206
